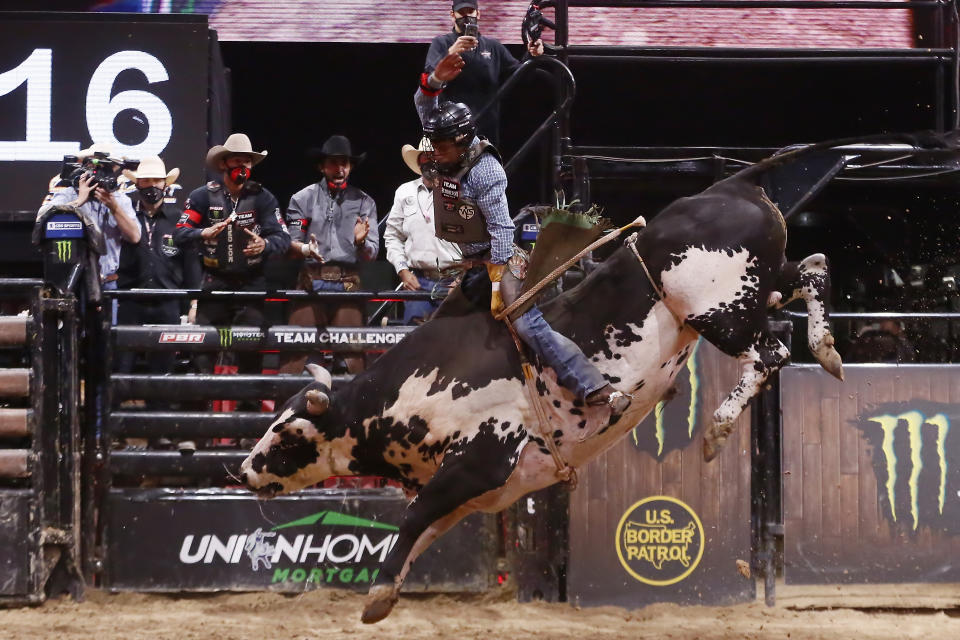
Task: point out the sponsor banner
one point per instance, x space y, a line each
281 338
17 553
871 474
230 540
659 540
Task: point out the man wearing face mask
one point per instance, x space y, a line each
487 64
155 262
333 226
238 224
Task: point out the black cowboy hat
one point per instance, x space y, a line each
335 146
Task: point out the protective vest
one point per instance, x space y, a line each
458 218
224 254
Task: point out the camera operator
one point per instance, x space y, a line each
92 189
487 64
239 225
155 262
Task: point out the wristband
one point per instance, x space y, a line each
495 286
305 249
426 88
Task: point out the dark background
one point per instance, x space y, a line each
291 96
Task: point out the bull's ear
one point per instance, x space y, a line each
317 402
320 374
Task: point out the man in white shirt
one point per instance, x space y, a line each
413 248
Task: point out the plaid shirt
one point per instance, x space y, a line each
486 184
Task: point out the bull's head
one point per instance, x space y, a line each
303 446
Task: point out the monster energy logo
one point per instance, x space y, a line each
64 250
693 375
915 422
226 337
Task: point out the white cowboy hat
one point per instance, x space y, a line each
152 167
236 143
410 155
97 147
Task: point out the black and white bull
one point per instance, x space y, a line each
446 413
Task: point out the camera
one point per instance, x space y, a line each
104 170
471 27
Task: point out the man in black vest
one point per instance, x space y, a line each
239 225
155 262
470 208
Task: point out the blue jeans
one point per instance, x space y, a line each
327 285
114 303
560 353
423 308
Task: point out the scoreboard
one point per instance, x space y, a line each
138 83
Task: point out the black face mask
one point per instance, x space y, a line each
151 195
463 21
239 175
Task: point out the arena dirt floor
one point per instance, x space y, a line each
920 611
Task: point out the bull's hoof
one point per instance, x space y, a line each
379 604
829 359
713 441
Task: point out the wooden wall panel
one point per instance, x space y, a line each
718 492
838 504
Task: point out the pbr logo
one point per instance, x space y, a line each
914 457
181 338
659 541
64 250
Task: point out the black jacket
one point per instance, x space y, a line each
156 262
484 70
258 211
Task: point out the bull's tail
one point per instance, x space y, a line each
921 140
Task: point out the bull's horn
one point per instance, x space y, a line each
317 402
320 374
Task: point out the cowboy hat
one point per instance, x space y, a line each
335 146
237 143
152 167
96 147
411 154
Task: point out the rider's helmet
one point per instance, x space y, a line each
451 122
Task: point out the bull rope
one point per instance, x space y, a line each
556 273
565 473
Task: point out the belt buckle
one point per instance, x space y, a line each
331 273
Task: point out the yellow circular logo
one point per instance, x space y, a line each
659 540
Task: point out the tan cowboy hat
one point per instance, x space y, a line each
236 143
97 147
410 155
152 167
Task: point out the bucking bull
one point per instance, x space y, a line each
445 412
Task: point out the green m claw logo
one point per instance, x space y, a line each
915 423
226 337
640 433
64 250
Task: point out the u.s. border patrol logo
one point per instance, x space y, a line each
466 211
659 540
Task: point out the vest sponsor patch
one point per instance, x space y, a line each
466 211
